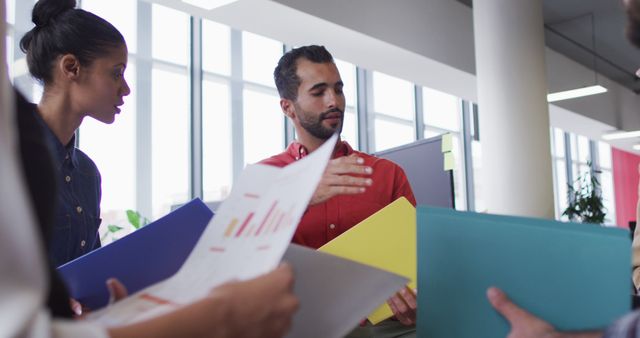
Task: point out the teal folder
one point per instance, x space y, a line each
575 276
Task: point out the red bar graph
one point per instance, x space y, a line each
155 299
277 223
244 224
266 218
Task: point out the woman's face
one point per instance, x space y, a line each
102 86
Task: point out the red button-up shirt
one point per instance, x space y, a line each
325 221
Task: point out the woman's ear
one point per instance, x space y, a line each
69 66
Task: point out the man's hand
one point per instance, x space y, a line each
404 306
339 179
260 307
525 325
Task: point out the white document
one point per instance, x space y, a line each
246 238
335 293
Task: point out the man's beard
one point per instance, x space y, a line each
314 125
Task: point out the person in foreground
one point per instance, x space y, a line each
525 325
261 307
355 185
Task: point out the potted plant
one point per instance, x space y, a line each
585 199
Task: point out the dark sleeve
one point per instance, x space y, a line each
625 327
38 170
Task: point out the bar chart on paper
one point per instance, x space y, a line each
247 237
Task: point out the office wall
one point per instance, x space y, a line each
625 180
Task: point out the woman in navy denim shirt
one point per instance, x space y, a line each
80 59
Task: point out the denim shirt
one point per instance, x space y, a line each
75 230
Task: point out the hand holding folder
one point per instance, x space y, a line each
386 240
574 276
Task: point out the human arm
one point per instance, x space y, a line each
260 307
525 325
342 177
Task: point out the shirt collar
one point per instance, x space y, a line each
298 151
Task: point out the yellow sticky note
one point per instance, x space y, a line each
447 142
386 240
449 162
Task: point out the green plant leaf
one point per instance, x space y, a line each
114 228
134 218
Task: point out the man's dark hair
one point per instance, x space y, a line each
287 81
60 29
633 22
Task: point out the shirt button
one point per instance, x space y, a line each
67 178
82 244
332 226
79 209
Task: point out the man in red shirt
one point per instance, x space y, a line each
355 185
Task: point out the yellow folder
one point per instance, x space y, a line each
386 240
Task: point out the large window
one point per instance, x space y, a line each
582 152
394 111
350 123
441 114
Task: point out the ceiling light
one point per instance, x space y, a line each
208 4
573 93
621 135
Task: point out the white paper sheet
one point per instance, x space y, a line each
335 293
247 237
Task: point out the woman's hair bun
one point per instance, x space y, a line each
45 11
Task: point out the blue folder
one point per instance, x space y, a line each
575 276
142 258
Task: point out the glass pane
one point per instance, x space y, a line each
608 197
558 143
604 154
260 57
170 35
216 48
112 148
216 149
560 169
263 126
123 14
9 56
476 153
440 109
350 128
393 96
458 174
574 147
584 154
431 133
391 134
348 74
10 8
170 115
